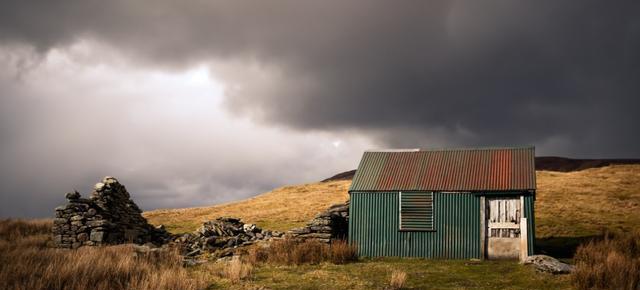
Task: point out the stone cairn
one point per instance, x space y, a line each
220 237
109 216
328 225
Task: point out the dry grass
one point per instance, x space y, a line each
235 273
293 252
612 263
398 280
238 270
11 230
27 263
583 203
289 252
341 252
280 209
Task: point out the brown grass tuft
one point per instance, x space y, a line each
13 229
293 252
398 279
612 263
27 263
341 252
257 254
237 270
309 252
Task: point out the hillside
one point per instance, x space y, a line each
280 209
586 202
553 163
569 204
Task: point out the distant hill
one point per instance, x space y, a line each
552 163
545 163
347 175
568 204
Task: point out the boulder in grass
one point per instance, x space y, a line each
544 263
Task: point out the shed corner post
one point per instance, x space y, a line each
524 240
483 231
399 210
524 235
350 221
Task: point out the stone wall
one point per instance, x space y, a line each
326 226
220 237
109 216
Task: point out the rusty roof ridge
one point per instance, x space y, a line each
487 168
453 149
479 148
394 150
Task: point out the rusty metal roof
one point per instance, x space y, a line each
479 169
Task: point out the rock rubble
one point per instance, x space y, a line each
220 237
548 264
331 224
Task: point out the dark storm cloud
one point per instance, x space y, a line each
410 73
561 75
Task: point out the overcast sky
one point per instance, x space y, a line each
192 103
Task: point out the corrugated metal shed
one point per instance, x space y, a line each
486 169
374 220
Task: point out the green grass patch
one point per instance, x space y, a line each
182 227
421 274
188 226
281 226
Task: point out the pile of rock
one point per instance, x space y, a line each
222 236
548 264
326 226
109 216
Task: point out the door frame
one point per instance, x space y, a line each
524 249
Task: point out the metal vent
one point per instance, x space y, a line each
416 211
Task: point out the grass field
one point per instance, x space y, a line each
584 203
570 206
376 274
29 262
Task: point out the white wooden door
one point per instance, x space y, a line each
503 227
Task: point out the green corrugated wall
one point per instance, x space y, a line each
374 223
529 202
374 218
